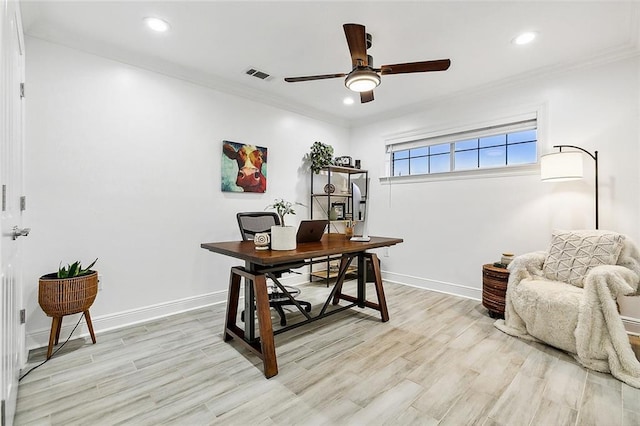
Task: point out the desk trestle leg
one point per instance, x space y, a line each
381 306
233 296
265 346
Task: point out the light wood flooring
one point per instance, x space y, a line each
439 360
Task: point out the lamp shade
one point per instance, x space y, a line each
561 166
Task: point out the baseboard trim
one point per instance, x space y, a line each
433 285
631 324
144 314
101 324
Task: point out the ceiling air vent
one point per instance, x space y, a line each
257 74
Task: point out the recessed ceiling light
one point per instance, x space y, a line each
525 38
348 101
157 24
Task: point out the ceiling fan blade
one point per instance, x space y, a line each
357 41
409 67
313 77
366 97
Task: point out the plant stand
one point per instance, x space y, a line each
67 296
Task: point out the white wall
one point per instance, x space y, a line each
452 227
123 164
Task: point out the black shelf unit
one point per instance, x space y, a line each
321 202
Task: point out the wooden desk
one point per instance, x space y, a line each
262 264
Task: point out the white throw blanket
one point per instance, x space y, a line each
582 321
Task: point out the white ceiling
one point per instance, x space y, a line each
214 42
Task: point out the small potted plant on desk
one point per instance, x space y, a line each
283 237
69 291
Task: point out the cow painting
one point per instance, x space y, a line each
244 167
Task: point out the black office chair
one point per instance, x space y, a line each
251 223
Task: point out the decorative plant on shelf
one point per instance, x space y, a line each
321 155
283 208
74 270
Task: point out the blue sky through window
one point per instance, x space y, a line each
502 150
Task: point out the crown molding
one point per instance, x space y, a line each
620 53
630 49
209 81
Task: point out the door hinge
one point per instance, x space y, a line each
4 197
23 316
21 90
3 413
23 203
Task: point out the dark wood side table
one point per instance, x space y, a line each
494 289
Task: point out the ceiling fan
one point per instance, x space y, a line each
364 77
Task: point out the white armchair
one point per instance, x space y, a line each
566 297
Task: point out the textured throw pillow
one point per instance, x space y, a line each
573 253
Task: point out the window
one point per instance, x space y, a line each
507 145
424 160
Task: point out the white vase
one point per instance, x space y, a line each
283 237
506 258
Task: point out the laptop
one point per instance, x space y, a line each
311 231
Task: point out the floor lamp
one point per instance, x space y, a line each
567 165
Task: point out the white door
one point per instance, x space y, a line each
11 190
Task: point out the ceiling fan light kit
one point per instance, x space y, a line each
362 80
363 77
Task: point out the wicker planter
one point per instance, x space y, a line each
66 296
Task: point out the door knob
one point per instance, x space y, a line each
18 232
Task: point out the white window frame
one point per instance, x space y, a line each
422 138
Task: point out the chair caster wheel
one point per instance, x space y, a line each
307 308
283 322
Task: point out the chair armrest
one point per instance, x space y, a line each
526 266
619 280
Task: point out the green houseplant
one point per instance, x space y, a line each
283 237
283 208
69 291
321 155
74 270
